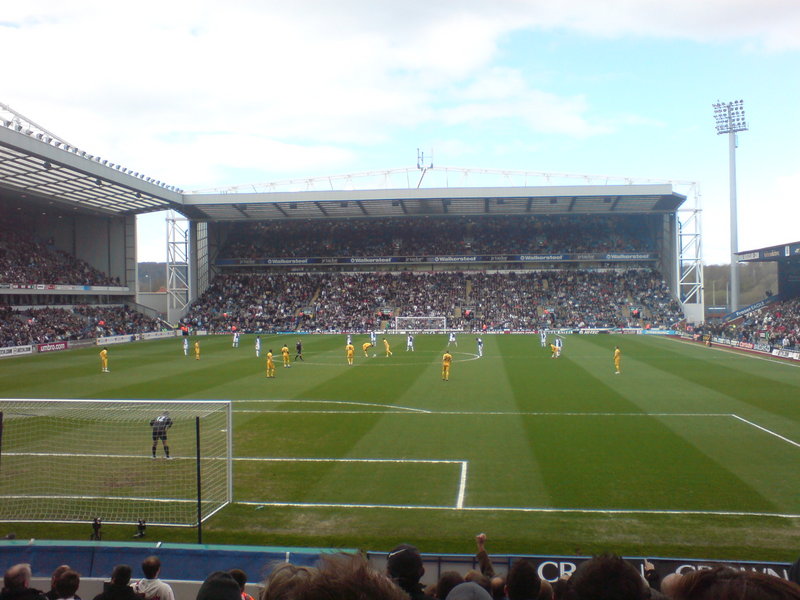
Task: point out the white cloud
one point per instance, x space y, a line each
198 93
769 212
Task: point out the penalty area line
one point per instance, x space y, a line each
338 402
765 430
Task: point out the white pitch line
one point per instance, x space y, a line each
590 511
357 460
462 485
765 430
497 413
345 402
331 412
137 499
147 458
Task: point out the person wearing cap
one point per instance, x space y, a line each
404 567
469 590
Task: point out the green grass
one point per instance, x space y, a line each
561 456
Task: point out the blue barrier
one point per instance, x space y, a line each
191 562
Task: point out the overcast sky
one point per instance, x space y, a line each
210 95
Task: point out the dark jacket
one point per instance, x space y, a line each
22 594
114 591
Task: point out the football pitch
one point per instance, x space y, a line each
690 451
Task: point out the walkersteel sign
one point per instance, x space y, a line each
454 259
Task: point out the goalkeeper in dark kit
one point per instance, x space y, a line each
160 426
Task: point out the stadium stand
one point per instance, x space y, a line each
358 301
52 324
29 261
777 325
455 235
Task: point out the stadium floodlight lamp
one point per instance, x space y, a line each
729 116
730 119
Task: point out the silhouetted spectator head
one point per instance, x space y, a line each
68 583
608 577
17 577
522 581
404 564
724 583
794 572
282 581
498 590
240 577
479 578
469 590
121 575
151 566
545 591
219 586
447 581
56 574
669 583
347 577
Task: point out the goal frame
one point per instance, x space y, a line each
223 414
400 324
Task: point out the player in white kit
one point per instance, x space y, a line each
409 343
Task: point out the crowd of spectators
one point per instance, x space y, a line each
352 577
46 325
28 261
777 325
414 236
530 300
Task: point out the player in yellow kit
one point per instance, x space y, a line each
270 364
386 347
617 359
104 360
197 350
349 351
285 353
366 346
554 350
447 358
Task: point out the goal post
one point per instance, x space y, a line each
77 460
430 324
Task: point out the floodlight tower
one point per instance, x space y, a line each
730 119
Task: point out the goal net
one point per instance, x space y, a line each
75 460
420 323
